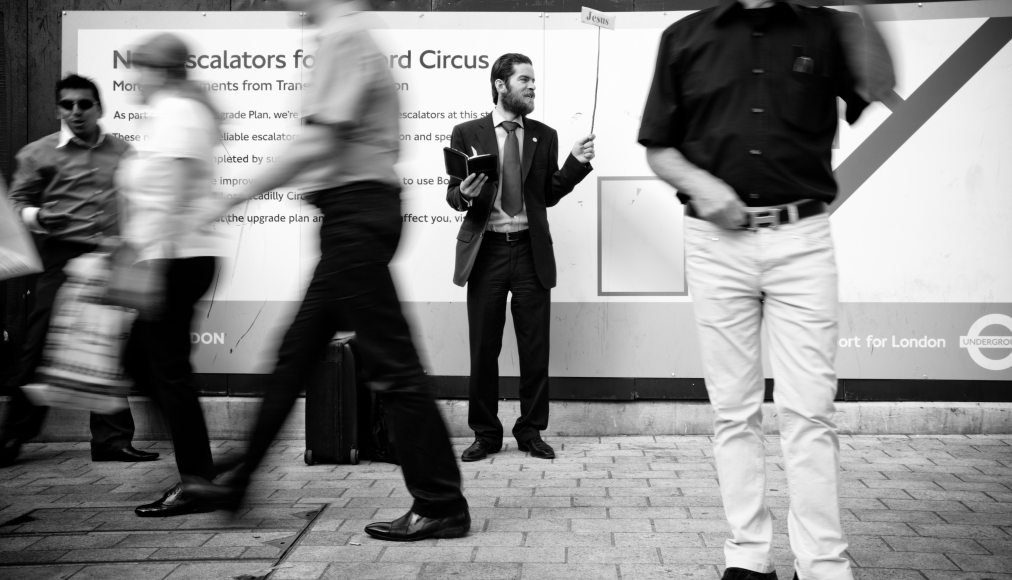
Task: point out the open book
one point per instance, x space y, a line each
459 165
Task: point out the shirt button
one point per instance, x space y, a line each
758 71
754 152
758 110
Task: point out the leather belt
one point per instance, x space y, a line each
775 215
509 237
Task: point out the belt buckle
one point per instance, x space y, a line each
763 219
512 237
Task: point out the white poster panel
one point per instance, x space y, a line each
920 226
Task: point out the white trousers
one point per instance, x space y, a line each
786 279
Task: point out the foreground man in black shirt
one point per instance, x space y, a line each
740 119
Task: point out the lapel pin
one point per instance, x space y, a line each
535 139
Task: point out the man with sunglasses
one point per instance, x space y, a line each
63 189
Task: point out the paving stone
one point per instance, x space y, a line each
201 553
569 572
666 572
334 553
648 513
709 556
888 574
692 525
909 517
131 571
485 539
482 570
206 570
619 555
606 525
907 560
997 547
429 554
538 539
554 553
529 525
938 545
79 541
299 571
994 519
106 554
950 575
960 531
976 563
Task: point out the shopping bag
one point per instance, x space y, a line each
81 364
136 284
18 256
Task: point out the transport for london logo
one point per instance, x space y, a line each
974 342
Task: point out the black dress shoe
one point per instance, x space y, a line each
175 502
126 454
412 527
743 574
537 448
9 450
479 450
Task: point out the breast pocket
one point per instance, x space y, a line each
806 100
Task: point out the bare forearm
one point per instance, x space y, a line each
674 169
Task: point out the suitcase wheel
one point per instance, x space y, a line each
308 457
353 456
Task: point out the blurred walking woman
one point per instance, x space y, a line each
167 187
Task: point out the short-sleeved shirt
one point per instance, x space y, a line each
162 220
749 95
352 90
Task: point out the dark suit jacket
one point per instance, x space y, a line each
544 185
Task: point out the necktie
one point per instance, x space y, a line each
512 198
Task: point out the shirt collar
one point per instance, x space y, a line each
728 8
497 118
66 136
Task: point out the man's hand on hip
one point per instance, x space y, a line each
715 201
583 151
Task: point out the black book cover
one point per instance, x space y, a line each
459 165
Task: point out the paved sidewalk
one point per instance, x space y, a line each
919 507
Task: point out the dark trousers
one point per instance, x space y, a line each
24 420
351 289
158 358
502 268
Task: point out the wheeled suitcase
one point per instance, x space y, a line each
332 409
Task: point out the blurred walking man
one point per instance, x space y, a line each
740 119
344 160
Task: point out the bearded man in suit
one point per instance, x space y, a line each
505 247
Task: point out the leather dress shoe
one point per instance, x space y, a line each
537 448
9 450
743 574
412 527
479 450
175 502
126 454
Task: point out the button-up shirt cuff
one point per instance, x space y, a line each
30 216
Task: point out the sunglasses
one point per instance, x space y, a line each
83 104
